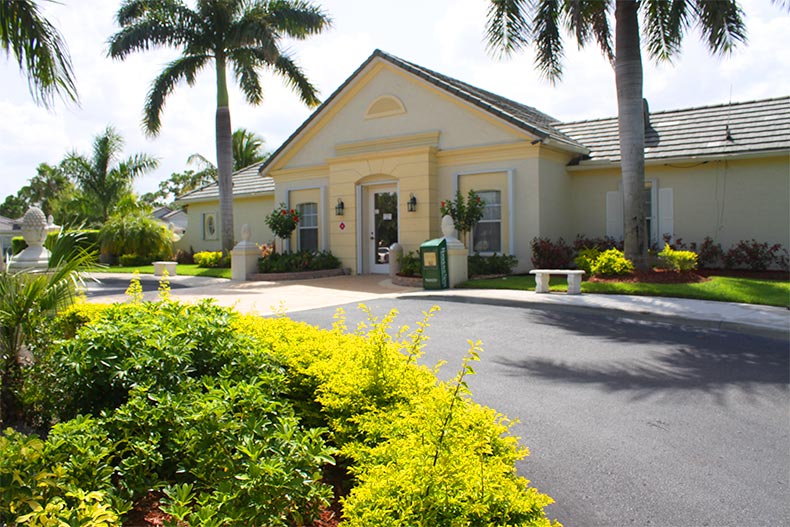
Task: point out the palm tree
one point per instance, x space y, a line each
244 34
510 28
39 50
247 148
246 151
103 183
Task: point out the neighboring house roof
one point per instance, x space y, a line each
709 131
246 182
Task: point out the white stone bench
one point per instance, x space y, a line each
161 267
542 279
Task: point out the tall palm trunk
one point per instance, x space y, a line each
224 159
628 77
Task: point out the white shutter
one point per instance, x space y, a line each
614 215
666 208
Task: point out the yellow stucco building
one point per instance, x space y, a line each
372 165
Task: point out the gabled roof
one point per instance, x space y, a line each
720 130
246 182
524 117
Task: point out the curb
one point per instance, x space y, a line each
721 325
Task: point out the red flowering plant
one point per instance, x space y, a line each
466 213
282 222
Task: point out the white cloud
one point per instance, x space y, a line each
441 35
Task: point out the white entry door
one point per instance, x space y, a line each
381 229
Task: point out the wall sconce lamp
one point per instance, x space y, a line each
340 207
411 205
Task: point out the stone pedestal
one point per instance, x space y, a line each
35 227
457 254
396 251
244 257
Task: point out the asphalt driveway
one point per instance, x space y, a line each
630 422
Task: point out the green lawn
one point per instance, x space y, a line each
719 288
181 270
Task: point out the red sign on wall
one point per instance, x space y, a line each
342 226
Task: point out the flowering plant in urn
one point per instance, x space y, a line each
464 212
282 221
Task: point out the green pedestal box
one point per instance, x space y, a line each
433 262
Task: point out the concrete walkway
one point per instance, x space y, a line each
268 297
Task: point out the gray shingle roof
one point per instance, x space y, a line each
246 182
755 126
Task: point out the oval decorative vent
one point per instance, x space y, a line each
385 106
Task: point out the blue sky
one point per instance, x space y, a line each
443 35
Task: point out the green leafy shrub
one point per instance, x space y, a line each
465 213
211 259
586 258
612 263
136 234
88 240
65 480
547 254
185 257
299 261
493 264
134 260
680 261
410 264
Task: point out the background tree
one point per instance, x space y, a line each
53 191
38 49
247 148
243 34
13 207
103 179
514 24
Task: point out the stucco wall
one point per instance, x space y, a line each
728 201
251 211
426 109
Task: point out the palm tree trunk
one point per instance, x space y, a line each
628 77
224 159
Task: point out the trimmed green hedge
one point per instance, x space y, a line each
91 240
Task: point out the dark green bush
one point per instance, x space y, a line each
494 264
410 264
134 260
136 234
298 261
585 259
88 240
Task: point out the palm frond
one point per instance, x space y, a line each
183 68
548 39
295 79
721 24
244 67
296 18
39 50
664 23
602 30
507 27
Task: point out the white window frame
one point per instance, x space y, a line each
300 226
500 221
511 196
